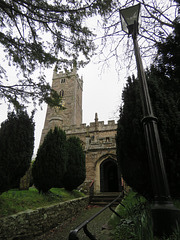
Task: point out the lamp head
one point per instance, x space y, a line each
130 19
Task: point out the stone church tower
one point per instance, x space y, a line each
70 87
98 139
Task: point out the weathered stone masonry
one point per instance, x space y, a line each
99 145
26 225
98 138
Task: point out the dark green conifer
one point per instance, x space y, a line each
51 161
131 148
16 148
163 81
76 171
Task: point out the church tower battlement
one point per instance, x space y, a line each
96 135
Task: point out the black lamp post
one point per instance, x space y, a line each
164 214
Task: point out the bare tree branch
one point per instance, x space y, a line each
157 22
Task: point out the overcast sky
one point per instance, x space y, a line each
101 94
101 91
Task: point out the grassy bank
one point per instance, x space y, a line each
135 221
15 200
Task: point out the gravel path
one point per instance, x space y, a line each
95 226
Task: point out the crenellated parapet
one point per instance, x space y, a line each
96 135
93 126
63 75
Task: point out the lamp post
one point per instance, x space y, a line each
164 214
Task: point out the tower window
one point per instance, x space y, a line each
63 80
61 93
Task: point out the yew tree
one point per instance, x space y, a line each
37 34
163 81
51 161
76 170
16 148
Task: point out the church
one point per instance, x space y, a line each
98 139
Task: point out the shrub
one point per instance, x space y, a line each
51 161
135 220
131 148
76 172
16 148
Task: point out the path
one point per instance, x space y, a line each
95 227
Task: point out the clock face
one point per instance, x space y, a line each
63 103
58 109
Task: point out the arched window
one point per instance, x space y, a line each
63 80
61 93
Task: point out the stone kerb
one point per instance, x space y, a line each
28 224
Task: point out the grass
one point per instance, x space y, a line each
124 227
135 220
177 203
15 200
130 200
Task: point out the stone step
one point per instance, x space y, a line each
104 199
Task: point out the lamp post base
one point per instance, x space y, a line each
166 218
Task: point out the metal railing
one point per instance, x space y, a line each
73 233
91 190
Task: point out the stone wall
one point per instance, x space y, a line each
26 225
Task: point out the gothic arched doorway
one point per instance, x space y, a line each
109 176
